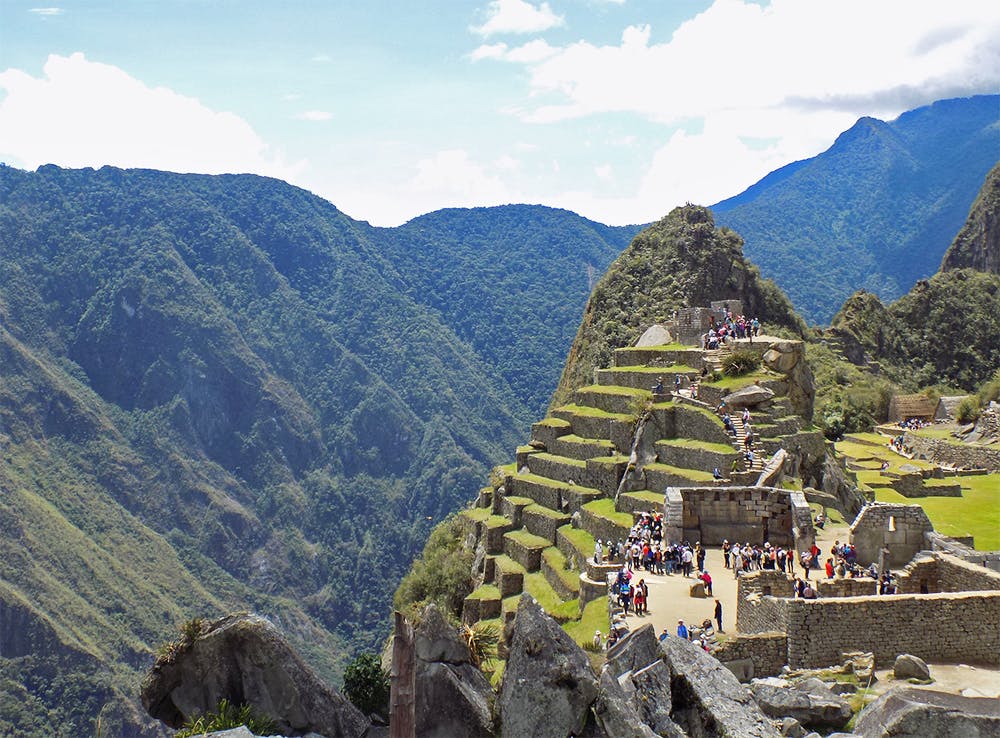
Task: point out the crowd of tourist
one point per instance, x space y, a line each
746 557
730 327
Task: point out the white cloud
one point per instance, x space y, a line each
529 53
518 16
741 88
82 113
314 115
604 171
489 51
46 11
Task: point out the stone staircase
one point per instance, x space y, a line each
539 522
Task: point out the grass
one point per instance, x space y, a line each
976 513
695 475
581 540
542 510
612 389
734 383
654 371
593 412
655 498
581 441
554 423
720 448
594 617
605 508
526 539
485 592
558 563
496 521
561 460
478 514
662 347
538 587
507 564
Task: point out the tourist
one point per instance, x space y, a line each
829 568
706 578
598 553
686 558
718 615
808 593
716 473
640 598
699 553
664 635
725 552
658 387
682 631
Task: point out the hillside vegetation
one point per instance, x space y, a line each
220 393
875 211
682 260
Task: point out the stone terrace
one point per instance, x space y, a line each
573 483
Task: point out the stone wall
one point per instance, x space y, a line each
949 628
889 534
938 542
754 514
760 601
846 587
754 655
953 454
690 422
689 324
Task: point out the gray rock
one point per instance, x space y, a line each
548 685
749 396
708 700
246 660
616 708
653 698
435 639
453 697
792 728
843 688
655 335
637 650
908 666
916 713
810 702
743 669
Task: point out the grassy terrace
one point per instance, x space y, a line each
733 383
594 617
478 514
593 412
561 460
507 564
653 498
695 475
558 563
496 521
720 448
613 389
526 539
605 508
551 422
976 513
485 592
542 510
661 347
581 441
538 587
582 541
654 371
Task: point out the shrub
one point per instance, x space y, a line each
738 363
228 716
442 574
483 640
967 410
366 684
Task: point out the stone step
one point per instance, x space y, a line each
591 590
547 430
645 377
484 603
575 497
575 447
508 575
659 356
589 422
511 507
660 476
492 531
575 544
557 468
613 399
643 501
558 608
525 548
599 572
601 520
543 522
542 490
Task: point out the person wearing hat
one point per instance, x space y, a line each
682 631
664 635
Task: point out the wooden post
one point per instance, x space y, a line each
402 700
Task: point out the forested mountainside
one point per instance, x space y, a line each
875 211
681 260
944 330
220 393
977 245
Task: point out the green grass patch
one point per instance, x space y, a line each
485 592
976 513
580 539
735 383
526 449
594 617
654 498
554 558
616 459
592 412
695 475
554 423
506 564
496 521
477 514
941 433
538 587
654 371
581 441
547 512
526 539
661 347
720 448
605 508
613 389
565 460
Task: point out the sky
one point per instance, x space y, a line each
616 109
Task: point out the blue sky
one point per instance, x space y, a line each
617 109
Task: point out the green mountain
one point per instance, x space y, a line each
943 331
220 393
977 245
682 260
874 211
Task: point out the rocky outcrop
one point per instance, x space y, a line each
749 396
245 659
548 684
789 358
616 707
637 650
809 701
708 701
655 335
453 697
916 713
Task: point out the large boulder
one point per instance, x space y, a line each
908 666
916 713
637 650
452 695
653 698
548 684
245 659
655 335
810 702
708 701
749 396
616 707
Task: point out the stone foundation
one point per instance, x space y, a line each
763 653
888 534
